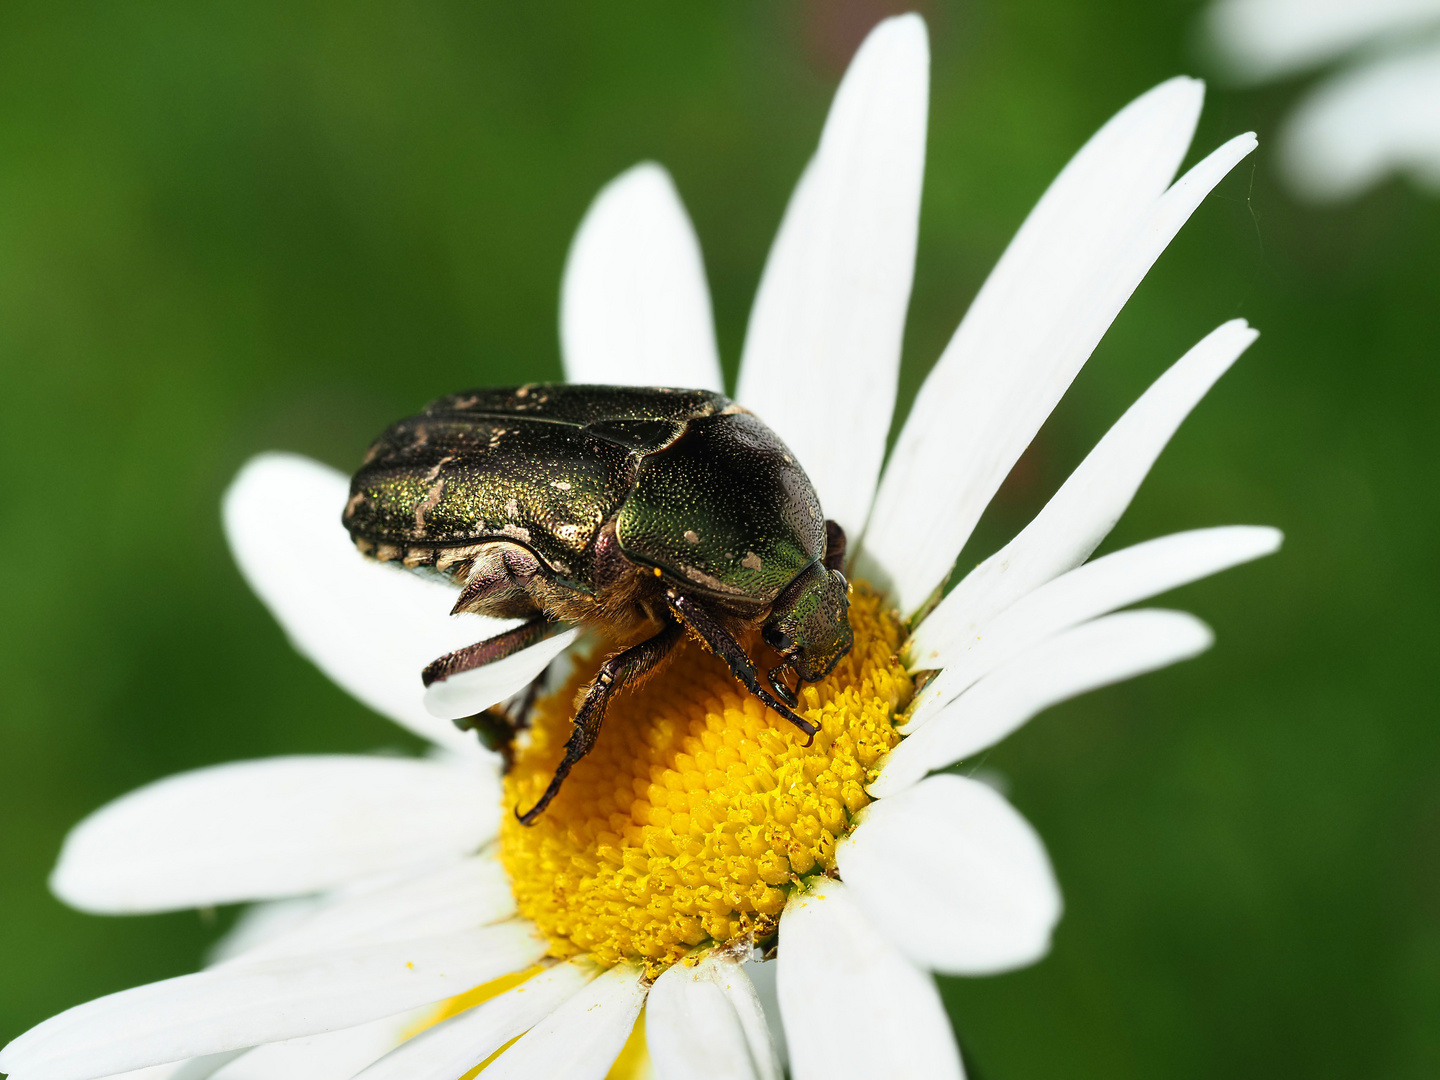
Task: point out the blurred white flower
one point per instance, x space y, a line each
384 888
1378 114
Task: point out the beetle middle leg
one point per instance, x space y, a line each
624 667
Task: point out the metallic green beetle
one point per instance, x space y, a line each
636 511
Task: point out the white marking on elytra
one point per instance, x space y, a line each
435 470
432 499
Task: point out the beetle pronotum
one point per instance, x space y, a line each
635 511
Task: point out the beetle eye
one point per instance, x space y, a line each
777 639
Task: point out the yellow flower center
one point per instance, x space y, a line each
699 809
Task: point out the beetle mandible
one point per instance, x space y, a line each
635 511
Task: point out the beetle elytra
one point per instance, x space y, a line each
636 511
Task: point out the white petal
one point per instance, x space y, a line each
1264 39
853 1005
278 827
231 1007
634 306
822 352
1085 509
471 691
762 977
452 1048
1050 299
581 1039
335 1055
954 877
1357 128
1114 581
260 922
1091 655
460 896
705 1023
201 1068
370 627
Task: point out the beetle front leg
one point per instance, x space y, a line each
723 645
625 667
495 727
487 651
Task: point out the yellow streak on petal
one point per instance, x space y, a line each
476 995
634 1060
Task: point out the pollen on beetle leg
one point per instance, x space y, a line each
698 809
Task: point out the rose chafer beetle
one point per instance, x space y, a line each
635 511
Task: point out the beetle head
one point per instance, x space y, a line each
809 626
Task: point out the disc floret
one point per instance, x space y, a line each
699 810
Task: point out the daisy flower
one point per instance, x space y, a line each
702 832
1379 115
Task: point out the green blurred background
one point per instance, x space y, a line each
232 227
